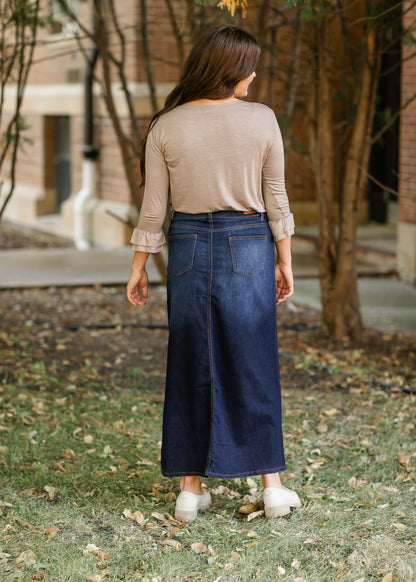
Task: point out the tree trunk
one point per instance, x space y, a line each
338 270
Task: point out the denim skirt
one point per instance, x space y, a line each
222 412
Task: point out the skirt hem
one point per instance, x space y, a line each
225 475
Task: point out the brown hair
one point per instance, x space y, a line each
222 57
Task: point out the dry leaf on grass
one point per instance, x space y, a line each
366 523
96 578
400 526
331 412
247 509
171 543
28 558
91 549
255 514
52 493
280 571
136 516
51 531
199 547
295 564
387 578
404 460
235 557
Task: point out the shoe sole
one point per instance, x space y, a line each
185 516
279 510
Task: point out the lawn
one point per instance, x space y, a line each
81 493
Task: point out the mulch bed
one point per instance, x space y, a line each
85 331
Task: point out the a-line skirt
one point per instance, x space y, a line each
222 412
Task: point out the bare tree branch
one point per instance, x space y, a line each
176 31
147 56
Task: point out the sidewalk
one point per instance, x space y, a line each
387 304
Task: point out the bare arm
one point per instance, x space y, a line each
137 287
283 270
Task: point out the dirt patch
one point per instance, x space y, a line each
77 334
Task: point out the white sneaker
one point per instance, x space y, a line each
278 501
187 505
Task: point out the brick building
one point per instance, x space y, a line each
50 169
406 243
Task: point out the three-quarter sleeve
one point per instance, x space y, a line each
148 235
274 190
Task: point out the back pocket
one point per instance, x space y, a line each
248 254
181 253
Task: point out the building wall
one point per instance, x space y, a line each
406 252
56 88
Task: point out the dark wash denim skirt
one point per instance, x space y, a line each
222 413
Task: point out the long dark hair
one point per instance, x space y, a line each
221 57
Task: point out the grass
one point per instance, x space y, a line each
72 459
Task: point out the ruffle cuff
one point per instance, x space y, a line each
283 227
147 242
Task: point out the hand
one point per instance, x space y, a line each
284 283
137 287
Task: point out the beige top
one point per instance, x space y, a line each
225 156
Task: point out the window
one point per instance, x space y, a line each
60 21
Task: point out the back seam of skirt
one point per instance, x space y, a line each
209 327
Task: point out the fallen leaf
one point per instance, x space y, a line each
158 516
251 482
28 558
51 531
280 571
38 576
405 460
171 543
52 493
331 412
387 578
135 516
199 547
255 514
295 564
352 482
366 523
247 509
91 549
89 439
400 526
252 534
95 578
235 557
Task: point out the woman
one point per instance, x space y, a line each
220 162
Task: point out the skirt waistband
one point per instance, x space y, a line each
217 214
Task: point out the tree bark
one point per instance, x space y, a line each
338 269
